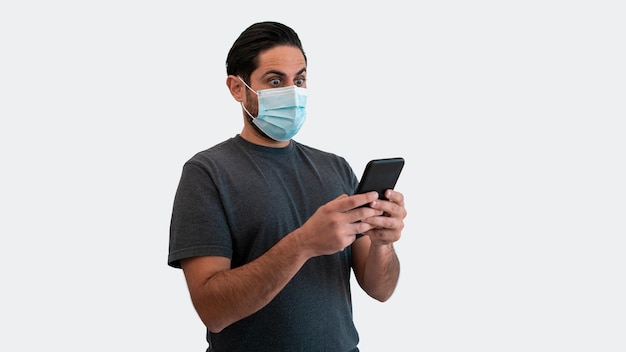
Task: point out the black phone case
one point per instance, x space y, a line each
380 175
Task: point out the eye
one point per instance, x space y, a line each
275 82
299 81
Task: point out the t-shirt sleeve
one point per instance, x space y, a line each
198 225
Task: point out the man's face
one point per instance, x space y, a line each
281 66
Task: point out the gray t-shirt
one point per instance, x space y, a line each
237 200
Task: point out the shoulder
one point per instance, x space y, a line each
324 159
217 154
320 154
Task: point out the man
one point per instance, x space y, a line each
266 230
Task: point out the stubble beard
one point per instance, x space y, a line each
252 106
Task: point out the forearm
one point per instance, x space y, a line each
382 270
231 295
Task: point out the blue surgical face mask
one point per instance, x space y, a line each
282 111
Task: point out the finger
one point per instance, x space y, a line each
391 208
395 196
361 213
383 222
343 204
362 227
386 207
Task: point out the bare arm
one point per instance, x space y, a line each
222 295
376 264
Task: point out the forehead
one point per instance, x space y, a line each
286 59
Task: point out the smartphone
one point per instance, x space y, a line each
380 175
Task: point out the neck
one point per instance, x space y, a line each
251 135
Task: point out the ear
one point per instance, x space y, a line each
236 87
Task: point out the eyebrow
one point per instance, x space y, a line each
282 74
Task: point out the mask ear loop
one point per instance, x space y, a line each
244 108
247 112
245 84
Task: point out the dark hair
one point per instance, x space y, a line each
243 56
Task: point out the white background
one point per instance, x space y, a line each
510 115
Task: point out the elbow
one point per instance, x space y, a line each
381 296
213 325
383 299
381 293
211 318
215 329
